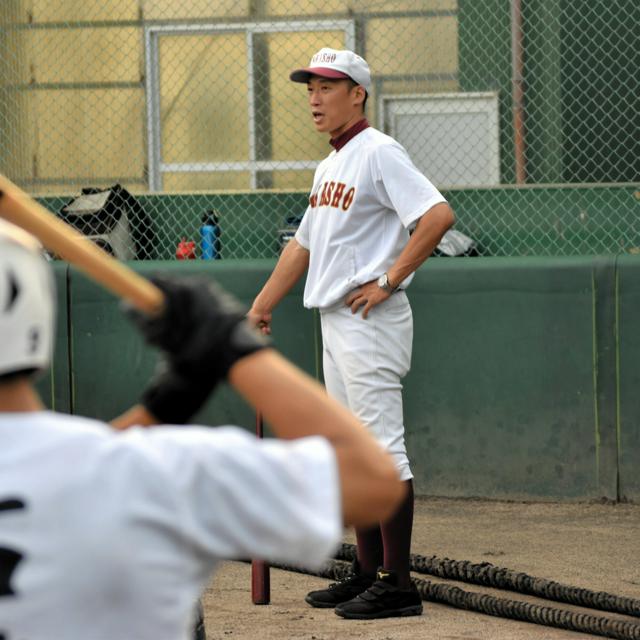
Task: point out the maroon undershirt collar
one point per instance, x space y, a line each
352 132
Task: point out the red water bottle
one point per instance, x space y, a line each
186 250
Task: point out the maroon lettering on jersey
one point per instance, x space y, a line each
337 194
332 194
348 198
330 191
326 194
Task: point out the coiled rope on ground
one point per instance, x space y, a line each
489 575
484 574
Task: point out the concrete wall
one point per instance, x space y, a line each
523 382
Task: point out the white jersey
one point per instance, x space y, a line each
113 536
364 200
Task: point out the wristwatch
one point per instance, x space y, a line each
383 283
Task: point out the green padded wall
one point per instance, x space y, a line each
523 385
500 398
53 386
111 364
628 397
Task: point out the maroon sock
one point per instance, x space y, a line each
370 549
396 537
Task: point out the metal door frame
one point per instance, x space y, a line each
152 34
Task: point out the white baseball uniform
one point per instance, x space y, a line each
366 196
113 536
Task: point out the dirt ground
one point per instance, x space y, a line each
596 546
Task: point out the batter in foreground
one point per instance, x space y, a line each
112 536
372 220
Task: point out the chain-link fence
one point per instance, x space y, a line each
524 113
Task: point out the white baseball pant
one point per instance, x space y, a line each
364 362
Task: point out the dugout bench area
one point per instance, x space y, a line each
524 385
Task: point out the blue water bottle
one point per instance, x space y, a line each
210 237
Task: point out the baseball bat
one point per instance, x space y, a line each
63 240
260 573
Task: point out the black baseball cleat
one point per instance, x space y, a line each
383 599
341 591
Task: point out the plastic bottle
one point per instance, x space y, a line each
210 236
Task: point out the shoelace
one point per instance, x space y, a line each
344 581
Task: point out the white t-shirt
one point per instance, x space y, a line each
113 536
364 200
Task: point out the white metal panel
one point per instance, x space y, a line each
453 138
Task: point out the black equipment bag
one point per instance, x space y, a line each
113 219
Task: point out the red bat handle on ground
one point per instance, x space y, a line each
260 582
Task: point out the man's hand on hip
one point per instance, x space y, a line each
367 296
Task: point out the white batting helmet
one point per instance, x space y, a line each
26 303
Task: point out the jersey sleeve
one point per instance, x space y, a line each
241 497
400 185
302 233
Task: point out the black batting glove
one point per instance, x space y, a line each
202 332
172 398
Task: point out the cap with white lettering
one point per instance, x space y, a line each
335 64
